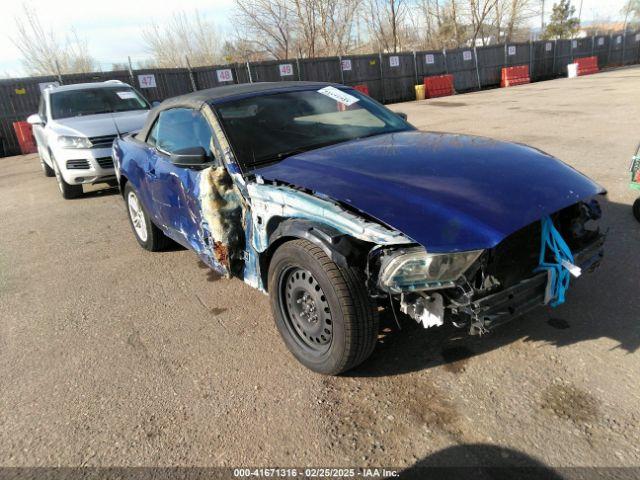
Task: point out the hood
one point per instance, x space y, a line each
102 124
447 192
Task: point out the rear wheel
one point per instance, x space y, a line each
322 310
68 191
147 234
636 209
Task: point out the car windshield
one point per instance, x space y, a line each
268 128
92 101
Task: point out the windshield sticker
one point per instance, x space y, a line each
338 95
126 95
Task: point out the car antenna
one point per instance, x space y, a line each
115 124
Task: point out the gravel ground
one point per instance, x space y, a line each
114 356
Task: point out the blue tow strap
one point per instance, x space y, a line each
560 271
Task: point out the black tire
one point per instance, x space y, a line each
46 169
68 191
636 209
350 326
155 240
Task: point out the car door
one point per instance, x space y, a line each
38 130
173 188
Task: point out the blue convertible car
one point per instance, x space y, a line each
336 206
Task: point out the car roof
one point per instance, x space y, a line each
84 86
198 99
225 92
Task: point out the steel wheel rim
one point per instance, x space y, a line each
305 310
137 216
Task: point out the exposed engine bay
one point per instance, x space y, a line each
504 282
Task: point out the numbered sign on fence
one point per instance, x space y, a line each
637 37
286 69
511 49
147 81
618 39
548 46
574 44
224 75
466 55
394 61
430 59
346 65
601 41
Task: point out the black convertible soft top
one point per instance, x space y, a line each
197 100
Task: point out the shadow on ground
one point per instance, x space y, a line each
481 461
602 304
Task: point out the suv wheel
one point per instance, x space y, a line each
46 169
147 234
322 310
636 209
68 191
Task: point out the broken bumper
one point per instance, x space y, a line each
499 308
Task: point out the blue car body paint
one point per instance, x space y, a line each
447 192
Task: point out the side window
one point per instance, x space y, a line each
153 135
181 128
41 110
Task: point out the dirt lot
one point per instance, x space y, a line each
110 355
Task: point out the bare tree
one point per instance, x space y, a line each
386 22
336 19
44 53
268 24
183 37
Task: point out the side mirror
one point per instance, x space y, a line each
190 157
402 115
35 119
155 103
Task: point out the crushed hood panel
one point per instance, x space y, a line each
447 192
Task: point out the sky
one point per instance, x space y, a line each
113 28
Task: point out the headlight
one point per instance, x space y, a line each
74 142
415 269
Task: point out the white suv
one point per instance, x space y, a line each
75 127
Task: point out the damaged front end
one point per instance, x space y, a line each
481 289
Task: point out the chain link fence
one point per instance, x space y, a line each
389 77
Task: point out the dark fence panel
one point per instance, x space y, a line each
321 69
430 63
632 48
543 64
399 74
461 63
18 99
615 50
582 47
275 71
601 49
168 83
211 77
365 70
564 56
516 54
389 77
490 63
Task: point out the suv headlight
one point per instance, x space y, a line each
74 142
414 269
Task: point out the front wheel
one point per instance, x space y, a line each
147 234
46 169
636 209
322 311
68 191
